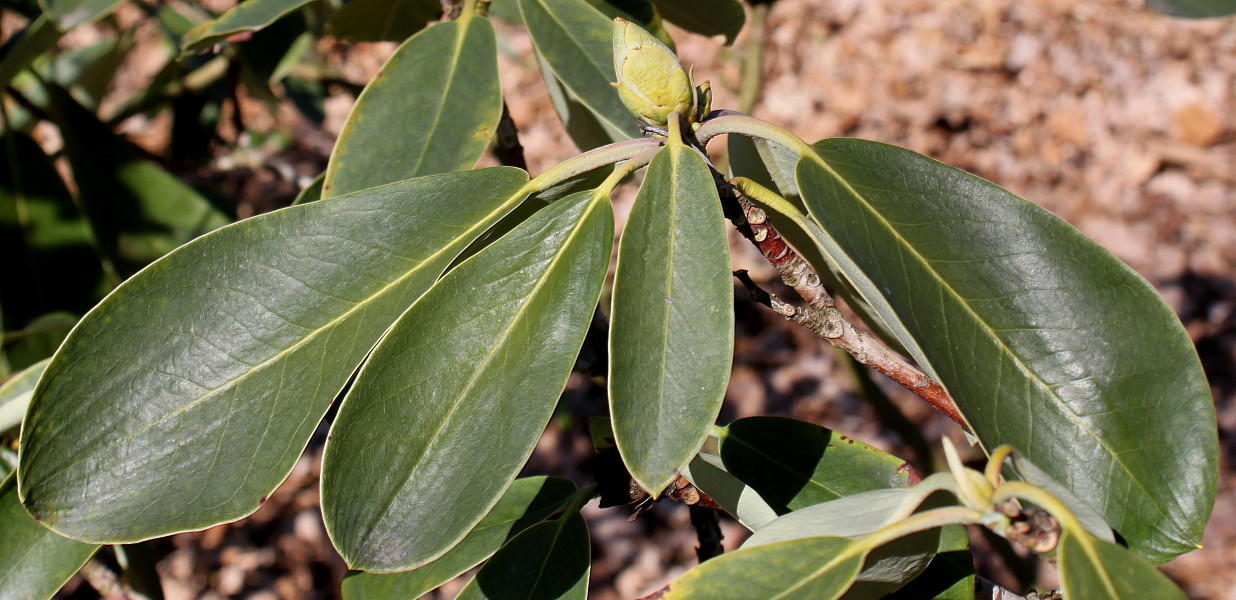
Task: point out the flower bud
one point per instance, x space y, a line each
651 82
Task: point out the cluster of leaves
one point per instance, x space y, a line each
447 306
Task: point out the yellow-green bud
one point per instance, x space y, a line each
703 102
651 82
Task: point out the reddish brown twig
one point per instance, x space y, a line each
821 314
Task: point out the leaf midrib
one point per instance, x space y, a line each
481 369
985 326
309 337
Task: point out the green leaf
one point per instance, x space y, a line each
585 130
250 15
820 568
20 50
672 323
528 501
433 108
576 41
705 17
138 211
950 576
382 20
220 359
1194 9
1045 340
794 464
1093 569
548 562
36 562
1094 523
70 13
888 567
458 391
707 472
15 394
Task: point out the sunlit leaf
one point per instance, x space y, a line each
70 13
1045 340
672 323
36 561
220 359
576 41
1093 569
247 16
803 569
433 108
458 391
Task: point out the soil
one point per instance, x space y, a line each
1115 118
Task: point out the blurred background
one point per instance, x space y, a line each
1116 118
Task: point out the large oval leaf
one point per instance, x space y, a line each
820 568
548 562
34 561
1045 340
457 393
1093 569
433 108
672 324
527 502
185 397
576 41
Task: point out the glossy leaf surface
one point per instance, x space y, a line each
15 394
233 347
70 13
527 502
458 391
433 108
1045 340
36 561
382 20
705 17
804 569
672 323
1093 569
250 15
576 41
548 562
794 464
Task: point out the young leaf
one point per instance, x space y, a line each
527 502
705 17
794 464
820 568
382 20
1093 569
251 15
576 41
1046 341
548 562
34 561
672 324
461 387
432 109
220 359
